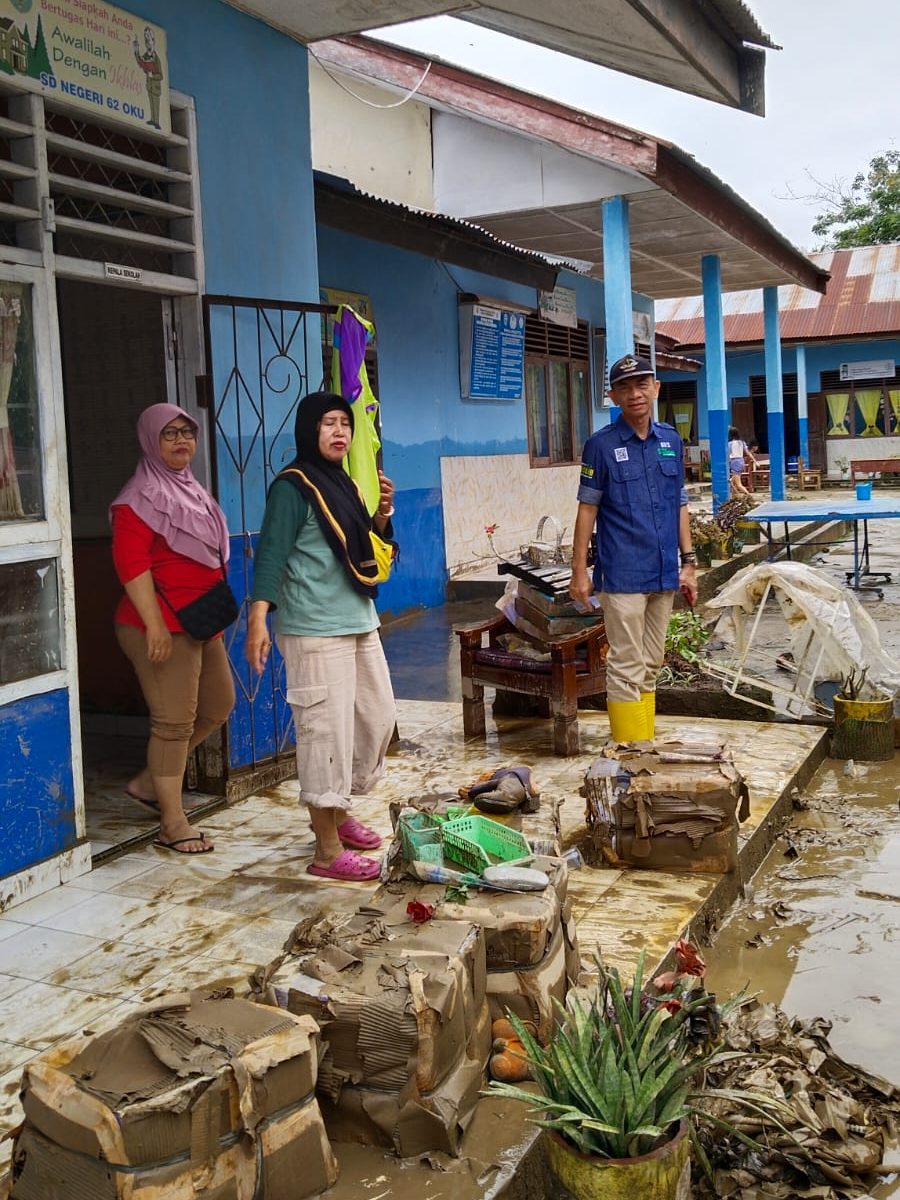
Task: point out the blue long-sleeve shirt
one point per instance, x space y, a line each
637 488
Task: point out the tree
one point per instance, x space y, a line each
867 211
38 59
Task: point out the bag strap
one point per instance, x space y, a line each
162 594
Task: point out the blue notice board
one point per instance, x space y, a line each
495 342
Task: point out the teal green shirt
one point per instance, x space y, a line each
297 572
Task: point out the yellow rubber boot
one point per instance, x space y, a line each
648 699
627 720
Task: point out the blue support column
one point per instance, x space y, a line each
774 391
802 404
716 386
617 283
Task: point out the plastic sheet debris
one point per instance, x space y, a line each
829 631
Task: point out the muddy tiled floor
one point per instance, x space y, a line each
153 922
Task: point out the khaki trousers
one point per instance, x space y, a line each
339 690
189 695
636 625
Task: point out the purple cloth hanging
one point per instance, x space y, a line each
350 337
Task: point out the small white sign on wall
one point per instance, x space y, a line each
559 306
873 368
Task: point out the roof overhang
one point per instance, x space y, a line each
709 48
342 206
678 210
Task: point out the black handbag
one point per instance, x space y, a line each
210 613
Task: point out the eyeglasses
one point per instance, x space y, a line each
181 431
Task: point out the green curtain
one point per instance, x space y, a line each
869 403
838 404
894 394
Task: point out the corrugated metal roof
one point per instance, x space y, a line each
439 221
862 300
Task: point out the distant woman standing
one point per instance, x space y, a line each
737 448
170 546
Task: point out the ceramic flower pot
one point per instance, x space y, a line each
664 1174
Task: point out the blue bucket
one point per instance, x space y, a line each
864 490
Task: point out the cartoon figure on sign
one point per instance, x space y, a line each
150 64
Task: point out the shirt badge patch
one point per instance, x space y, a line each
621 453
586 471
666 444
666 453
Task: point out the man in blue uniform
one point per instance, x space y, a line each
632 490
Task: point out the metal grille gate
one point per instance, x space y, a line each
262 356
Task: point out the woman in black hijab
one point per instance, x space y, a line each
314 565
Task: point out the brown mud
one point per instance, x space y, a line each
819 930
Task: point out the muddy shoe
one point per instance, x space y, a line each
508 788
507 795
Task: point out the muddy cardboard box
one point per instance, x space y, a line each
673 807
532 992
393 1006
412 1121
518 926
206 1097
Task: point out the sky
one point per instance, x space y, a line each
832 98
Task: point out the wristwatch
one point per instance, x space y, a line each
389 513
688 558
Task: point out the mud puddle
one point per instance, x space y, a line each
819 931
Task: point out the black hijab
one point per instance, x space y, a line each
335 498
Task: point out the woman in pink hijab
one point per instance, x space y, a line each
170 546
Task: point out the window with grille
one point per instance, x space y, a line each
678 407
104 193
861 408
557 391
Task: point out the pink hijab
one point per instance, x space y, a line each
173 503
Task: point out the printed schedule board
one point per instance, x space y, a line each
492 353
89 54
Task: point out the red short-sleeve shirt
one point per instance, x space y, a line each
136 549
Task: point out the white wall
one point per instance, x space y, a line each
383 151
480 170
501 490
851 448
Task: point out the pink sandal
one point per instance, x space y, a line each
348 866
356 836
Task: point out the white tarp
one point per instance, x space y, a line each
814 608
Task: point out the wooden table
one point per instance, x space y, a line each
866 466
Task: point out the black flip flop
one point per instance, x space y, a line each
149 806
200 837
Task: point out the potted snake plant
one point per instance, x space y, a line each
617 1085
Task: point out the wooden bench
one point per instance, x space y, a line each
808 477
866 466
577 668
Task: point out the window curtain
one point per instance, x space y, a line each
683 420
838 404
869 403
894 394
10 496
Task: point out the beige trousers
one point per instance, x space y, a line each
636 625
339 690
189 695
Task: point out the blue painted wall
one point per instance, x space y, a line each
251 90
37 802
415 302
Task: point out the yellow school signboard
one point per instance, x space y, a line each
90 54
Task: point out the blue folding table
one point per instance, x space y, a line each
859 512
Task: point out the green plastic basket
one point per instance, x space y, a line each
420 837
478 842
